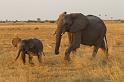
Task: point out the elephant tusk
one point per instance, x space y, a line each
62 33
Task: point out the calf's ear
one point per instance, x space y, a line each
16 41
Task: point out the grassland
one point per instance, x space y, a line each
54 68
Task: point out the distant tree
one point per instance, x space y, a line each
105 15
111 18
99 14
38 19
6 20
31 21
46 20
52 21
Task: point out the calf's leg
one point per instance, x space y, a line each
30 59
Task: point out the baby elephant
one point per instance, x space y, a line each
31 47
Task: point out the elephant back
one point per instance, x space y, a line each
94 19
79 22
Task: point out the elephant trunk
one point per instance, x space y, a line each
58 40
18 54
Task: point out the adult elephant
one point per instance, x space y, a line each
87 30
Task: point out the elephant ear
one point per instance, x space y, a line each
60 19
79 22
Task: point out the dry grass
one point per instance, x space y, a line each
54 68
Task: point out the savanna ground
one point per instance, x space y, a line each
54 68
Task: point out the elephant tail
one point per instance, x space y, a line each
106 43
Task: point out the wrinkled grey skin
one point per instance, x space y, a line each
87 30
31 47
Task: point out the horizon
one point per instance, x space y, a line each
49 10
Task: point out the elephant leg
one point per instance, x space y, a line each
74 45
30 59
105 50
97 46
70 38
95 50
74 51
23 57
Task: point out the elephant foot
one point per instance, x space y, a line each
67 58
56 52
93 55
107 56
24 64
31 63
74 52
93 58
41 64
